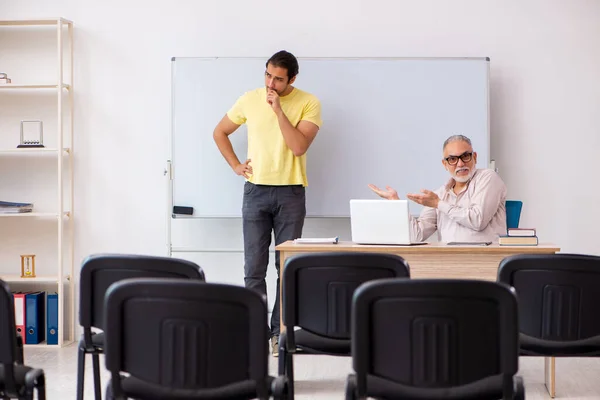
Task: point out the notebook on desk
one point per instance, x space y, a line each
384 222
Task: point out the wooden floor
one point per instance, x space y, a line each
323 377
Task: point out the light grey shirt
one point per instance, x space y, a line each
476 214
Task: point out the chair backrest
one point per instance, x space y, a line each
433 334
513 213
318 288
558 294
99 271
8 337
185 334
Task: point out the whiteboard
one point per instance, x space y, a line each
384 122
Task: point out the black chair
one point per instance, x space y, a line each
558 305
434 339
17 381
317 298
98 272
182 339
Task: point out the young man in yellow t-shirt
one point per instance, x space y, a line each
282 122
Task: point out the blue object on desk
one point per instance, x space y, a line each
513 213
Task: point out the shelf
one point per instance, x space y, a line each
59 87
34 214
34 150
8 86
37 279
41 21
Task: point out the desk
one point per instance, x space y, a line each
436 260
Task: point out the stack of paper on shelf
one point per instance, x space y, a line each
519 237
7 207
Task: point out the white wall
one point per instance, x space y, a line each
545 84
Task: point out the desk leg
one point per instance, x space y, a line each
282 257
550 375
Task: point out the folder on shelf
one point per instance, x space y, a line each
52 318
19 301
34 317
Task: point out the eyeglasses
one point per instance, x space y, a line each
465 157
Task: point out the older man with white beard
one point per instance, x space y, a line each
470 207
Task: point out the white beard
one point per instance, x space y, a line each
463 179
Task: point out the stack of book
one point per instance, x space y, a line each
7 207
519 237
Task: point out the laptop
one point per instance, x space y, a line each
384 222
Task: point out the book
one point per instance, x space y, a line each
521 232
518 240
7 207
331 240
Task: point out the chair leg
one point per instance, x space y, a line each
519 389
281 358
97 384
41 388
80 372
286 368
278 388
289 369
108 392
351 387
550 375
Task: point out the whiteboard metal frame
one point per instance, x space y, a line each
168 171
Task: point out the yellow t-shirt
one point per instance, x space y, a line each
272 161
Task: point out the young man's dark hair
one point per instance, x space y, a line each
284 59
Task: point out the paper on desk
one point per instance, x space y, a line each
469 243
331 240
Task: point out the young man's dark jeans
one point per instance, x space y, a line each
265 209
